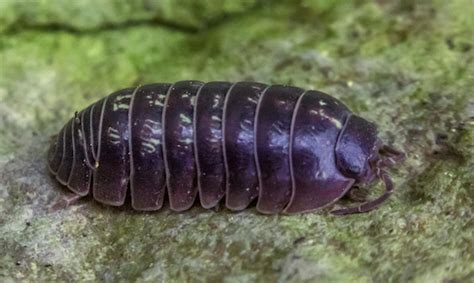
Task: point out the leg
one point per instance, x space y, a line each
356 194
64 201
393 155
370 205
365 207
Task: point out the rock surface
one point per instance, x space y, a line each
407 66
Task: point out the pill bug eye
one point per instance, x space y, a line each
354 171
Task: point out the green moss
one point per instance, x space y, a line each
92 15
407 65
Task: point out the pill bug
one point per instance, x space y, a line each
291 150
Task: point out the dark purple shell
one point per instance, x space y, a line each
289 149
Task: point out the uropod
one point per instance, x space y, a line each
291 150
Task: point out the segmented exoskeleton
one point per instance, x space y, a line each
292 150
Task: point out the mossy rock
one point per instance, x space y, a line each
406 65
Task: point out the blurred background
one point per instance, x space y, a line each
408 65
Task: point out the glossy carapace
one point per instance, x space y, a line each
291 150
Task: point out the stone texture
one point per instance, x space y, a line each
406 65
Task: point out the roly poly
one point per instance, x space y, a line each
291 150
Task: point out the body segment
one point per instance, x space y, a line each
67 154
178 144
147 168
238 141
272 144
110 178
80 177
211 174
317 123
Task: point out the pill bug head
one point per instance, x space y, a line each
357 150
362 156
